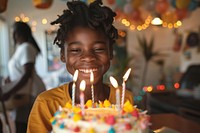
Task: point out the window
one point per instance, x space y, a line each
4 48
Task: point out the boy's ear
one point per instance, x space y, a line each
62 55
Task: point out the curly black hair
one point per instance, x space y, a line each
95 16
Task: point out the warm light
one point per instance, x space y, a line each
164 24
33 29
34 23
17 19
91 77
179 23
176 85
82 85
161 87
127 23
156 21
124 21
113 82
144 26
145 88
25 19
126 75
44 21
175 25
75 76
149 88
170 25
132 27
139 27
122 33
147 21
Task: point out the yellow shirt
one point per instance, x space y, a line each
48 102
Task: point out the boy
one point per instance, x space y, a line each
85 36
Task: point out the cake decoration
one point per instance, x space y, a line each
103 118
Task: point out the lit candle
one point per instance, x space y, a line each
82 88
115 84
92 86
74 87
125 77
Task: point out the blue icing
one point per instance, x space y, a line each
62 126
111 130
57 113
53 122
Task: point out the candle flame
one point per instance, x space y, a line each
91 77
113 82
126 75
75 76
82 85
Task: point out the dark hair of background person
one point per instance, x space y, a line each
92 16
23 30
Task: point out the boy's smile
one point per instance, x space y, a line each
87 50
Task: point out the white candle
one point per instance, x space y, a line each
92 86
82 102
123 93
125 77
115 84
74 87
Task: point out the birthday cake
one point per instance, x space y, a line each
102 117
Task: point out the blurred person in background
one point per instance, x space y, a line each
22 71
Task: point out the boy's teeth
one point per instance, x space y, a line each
87 70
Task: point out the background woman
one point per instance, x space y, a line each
22 72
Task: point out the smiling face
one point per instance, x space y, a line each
87 50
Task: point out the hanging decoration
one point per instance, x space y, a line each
42 4
161 6
182 4
137 14
3 5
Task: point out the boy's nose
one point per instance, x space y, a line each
89 56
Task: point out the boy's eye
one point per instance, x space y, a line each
98 50
74 50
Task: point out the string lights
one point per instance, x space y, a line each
158 88
33 23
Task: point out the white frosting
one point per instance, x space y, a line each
98 124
